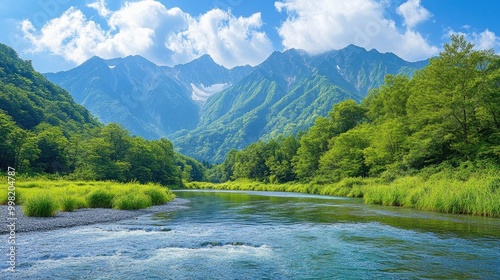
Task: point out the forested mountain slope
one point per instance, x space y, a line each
207 109
284 95
44 131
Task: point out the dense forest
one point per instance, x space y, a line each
43 131
447 115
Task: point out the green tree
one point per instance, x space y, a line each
280 161
140 157
52 144
7 126
345 116
346 157
96 164
489 111
388 145
312 146
119 139
389 101
24 145
227 167
447 97
163 168
251 162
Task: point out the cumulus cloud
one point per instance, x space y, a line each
413 13
231 41
482 40
100 7
322 25
70 35
486 40
148 28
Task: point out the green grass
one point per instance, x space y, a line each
473 196
70 203
42 197
100 199
132 201
446 191
159 196
40 206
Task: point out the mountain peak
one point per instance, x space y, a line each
205 58
94 59
205 62
299 52
353 49
93 63
139 60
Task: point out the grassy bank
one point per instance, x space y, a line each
44 198
476 193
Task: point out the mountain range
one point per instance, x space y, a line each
206 109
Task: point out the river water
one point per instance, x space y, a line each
265 235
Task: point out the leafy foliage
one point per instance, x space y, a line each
44 131
445 115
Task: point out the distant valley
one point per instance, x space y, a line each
206 109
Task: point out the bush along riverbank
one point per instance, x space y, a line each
464 190
45 198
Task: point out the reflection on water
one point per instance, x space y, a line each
260 235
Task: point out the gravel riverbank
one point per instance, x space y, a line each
80 217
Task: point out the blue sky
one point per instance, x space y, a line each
60 34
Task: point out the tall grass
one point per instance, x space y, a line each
100 199
40 206
41 195
475 192
159 196
70 203
132 201
350 187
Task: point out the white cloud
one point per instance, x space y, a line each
486 40
148 28
70 35
100 7
322 25
413 13
482 40
231 41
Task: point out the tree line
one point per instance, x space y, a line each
101 153
43 131
448 112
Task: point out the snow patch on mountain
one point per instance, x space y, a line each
202 93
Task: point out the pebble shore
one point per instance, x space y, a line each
80 217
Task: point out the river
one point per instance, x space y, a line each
266 235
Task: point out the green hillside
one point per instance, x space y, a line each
283 96
44 131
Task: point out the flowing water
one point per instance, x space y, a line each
265 235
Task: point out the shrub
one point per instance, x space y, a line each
70 203
100 199
4 197
40 206
158 196
132 201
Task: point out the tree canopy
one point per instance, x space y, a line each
448 111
